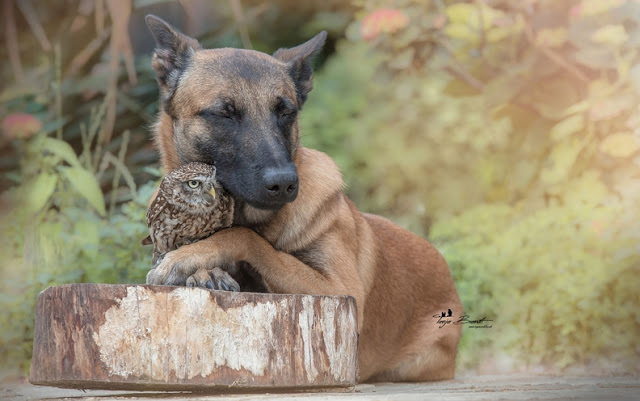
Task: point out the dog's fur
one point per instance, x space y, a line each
237 109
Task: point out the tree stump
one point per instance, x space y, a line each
140 337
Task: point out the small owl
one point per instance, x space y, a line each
190 206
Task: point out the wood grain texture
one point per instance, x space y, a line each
140 337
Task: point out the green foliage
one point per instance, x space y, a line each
392 139
58 231
51 164
557 281
509 133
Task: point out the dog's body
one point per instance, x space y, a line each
293 224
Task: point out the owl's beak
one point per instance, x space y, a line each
212 191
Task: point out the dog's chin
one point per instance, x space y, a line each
254 215
268 206
258 212
262 203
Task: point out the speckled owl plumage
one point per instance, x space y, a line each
184 212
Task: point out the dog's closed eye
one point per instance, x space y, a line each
288 113
285 109
225 110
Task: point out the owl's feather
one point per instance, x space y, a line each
185 210
156 207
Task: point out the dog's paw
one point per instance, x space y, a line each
179 265
223 280
174 268
214 279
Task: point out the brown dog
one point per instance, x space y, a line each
293 225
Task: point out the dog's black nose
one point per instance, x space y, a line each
281 183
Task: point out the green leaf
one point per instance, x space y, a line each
566 127
39 191
61 149
86 185
88 234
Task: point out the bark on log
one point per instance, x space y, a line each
139 337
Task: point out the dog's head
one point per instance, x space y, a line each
236 109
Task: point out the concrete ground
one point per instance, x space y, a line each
474 388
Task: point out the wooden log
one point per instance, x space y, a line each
140 337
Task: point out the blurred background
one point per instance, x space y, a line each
505 132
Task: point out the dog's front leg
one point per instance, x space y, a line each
174 269
282 272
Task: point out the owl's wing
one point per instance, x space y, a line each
225 210
158 204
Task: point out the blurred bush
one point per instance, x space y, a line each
509 133
56 230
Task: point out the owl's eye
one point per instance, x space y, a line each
193 183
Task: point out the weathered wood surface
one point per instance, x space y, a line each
139 337
505 387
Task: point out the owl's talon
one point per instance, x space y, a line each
209 285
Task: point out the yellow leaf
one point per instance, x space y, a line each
461 31
561 160
620 144
599 88
566 127
588 189
614 35
594 7
461 13
577 108
611 107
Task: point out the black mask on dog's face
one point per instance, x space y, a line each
236 109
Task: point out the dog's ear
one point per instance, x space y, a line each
172 53
299 61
